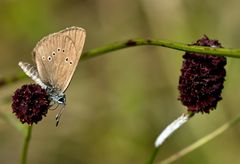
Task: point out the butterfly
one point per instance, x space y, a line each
56 57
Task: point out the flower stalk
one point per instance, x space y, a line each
26 145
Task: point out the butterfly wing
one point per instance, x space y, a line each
56 59
78 36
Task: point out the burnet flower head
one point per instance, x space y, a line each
200 85
30 103
202 77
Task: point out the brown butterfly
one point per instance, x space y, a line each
56 57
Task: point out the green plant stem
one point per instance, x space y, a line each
26 145
201 141
235 53
154 155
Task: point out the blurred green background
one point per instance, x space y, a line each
117 104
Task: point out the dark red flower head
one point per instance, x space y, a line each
201 81
30 103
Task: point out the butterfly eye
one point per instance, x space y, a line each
63 50
53 53
62 100
58 49
70 62
66 59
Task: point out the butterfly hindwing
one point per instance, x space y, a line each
57 56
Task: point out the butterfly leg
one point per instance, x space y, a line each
59 114
52 105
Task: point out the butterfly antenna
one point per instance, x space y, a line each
59 115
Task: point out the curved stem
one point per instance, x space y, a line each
202 141
26 145
235 53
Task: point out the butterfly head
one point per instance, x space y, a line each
60 98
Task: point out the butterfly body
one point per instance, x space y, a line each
56 57
56 95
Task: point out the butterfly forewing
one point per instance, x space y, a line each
57 56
